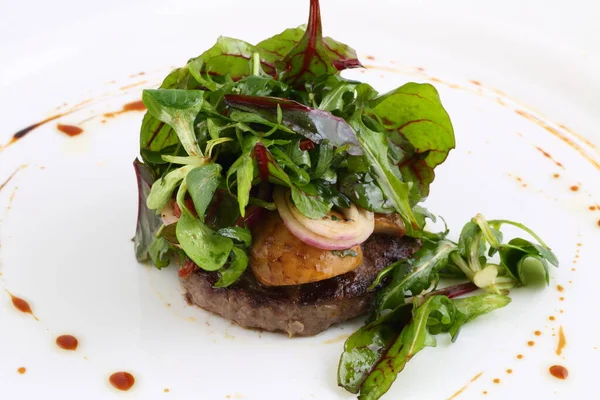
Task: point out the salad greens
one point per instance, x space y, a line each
409 311
240 119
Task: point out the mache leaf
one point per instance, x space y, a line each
177 108
236 267
202 182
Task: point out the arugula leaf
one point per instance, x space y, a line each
237 266
414 337
178 108
469 308
414 277
202 182
148 222
375 149
313 124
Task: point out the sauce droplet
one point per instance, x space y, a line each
562 341
559 288
21 305
22 370
166 390
496 380
520 356
574 188
537 333
592 208
531 343
556 175
552 318
509 371
67 342
133 106
70 130
122 380
558 371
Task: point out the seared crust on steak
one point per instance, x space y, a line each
301 310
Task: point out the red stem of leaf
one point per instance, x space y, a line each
306 145
263 163
456 290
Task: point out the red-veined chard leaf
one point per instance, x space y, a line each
228 57
316 125
414 118
308 59
275 48
148 221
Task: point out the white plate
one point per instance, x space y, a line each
68 215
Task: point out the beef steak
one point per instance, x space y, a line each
301 310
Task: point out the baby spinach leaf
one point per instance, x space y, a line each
238 234
375 149
148 221
202 182
313 124
236 267
178 108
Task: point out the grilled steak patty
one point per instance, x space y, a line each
300 310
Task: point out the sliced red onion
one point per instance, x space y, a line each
309 237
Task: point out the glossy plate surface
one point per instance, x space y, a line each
520 83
